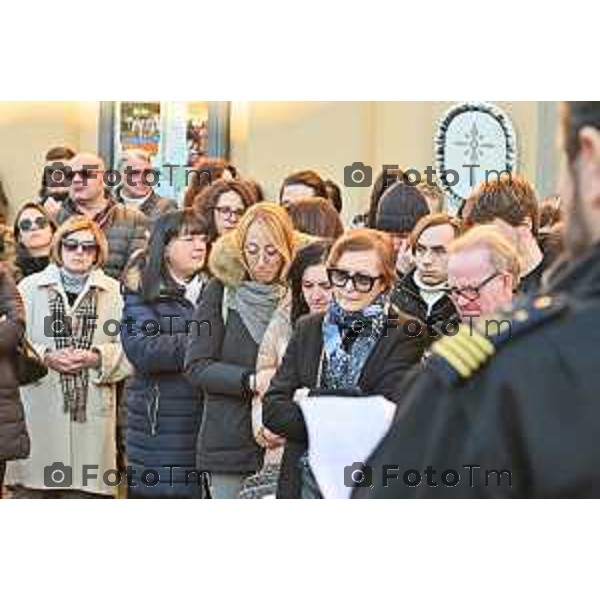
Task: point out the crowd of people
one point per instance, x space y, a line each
254 303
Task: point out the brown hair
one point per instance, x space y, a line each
205 173
433 220
279 225
310 179
79 223
509 197
359 240
206 201
35 206
503 254
550 212
60 153
316 216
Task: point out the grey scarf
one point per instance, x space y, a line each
255 303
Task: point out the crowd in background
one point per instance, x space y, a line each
280 283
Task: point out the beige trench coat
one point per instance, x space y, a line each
54 437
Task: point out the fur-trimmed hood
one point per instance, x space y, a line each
226 262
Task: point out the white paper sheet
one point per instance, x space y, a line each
341 431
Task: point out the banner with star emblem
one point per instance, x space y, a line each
475 141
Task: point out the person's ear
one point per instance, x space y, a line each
589 157
589 144
528 223
509 283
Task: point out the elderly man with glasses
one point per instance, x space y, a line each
483 273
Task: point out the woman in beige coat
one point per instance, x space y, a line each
72 314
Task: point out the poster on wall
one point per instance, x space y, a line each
176 134
196 131
140 126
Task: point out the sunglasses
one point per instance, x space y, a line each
40 222
85 174
360 281
74 245
227 212
472 292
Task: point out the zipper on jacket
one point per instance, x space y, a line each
152 410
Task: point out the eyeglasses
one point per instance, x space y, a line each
270 252
40 222
360 281
228 213
74 245
470 292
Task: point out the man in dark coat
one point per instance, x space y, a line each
515 414
126 228
423 292
136 189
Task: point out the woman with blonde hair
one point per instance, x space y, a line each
249 265
72 312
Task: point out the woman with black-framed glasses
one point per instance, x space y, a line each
223 204
360 345
33 231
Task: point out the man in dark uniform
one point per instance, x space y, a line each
516 414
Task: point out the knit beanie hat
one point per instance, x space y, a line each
400 207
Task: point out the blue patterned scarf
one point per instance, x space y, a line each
348 339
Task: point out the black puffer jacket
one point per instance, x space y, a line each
126 231
14 440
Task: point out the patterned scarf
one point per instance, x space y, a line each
77 332
348 339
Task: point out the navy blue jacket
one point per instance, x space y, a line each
163 410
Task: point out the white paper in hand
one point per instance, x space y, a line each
343 430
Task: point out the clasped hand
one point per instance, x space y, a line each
71 360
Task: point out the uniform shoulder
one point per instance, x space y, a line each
458 357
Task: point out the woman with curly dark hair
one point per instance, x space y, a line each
223 204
